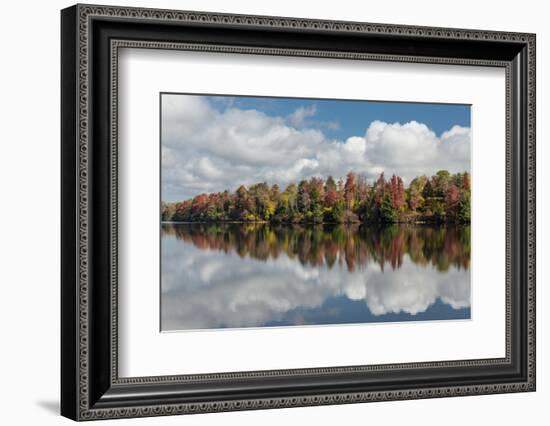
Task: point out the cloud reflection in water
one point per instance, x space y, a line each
254 275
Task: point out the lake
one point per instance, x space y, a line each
233 275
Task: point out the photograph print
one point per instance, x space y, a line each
281 212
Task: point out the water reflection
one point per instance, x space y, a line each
253 275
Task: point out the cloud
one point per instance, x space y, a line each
407 290
208 150
299 116
206 289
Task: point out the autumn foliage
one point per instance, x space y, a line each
443 197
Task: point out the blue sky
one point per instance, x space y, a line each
351 115
213 143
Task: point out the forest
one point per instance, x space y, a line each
441 198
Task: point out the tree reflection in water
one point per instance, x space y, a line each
233 275
356 245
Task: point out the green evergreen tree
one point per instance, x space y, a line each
388 213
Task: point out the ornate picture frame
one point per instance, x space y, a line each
91 37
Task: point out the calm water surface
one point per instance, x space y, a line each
259 275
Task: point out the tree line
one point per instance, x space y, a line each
443 197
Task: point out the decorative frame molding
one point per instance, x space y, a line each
91 388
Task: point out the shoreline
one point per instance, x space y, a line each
253 222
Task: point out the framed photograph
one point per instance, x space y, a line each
263 212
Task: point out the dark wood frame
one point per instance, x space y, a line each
91 37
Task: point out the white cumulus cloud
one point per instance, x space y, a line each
206 150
